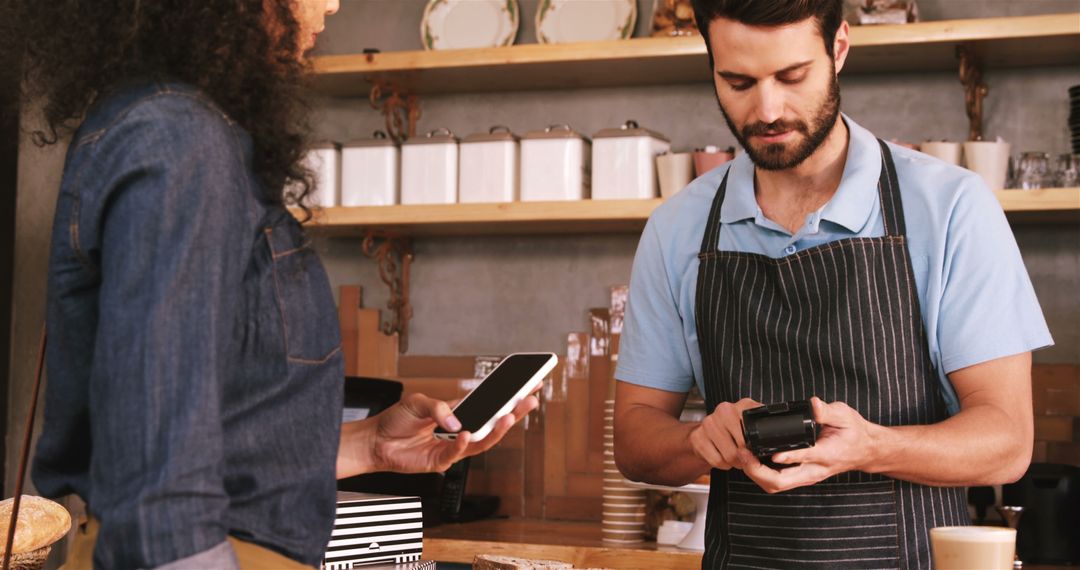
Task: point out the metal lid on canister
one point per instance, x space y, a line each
629 129
498 133
378 138
441 135
554 132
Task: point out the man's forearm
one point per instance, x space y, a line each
979 446
653 447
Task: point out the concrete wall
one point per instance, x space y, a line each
498 295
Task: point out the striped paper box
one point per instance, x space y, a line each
374 529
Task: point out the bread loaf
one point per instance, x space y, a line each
495 562
41 523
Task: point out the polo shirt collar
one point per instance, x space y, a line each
852 205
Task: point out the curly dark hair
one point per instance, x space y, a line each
243 54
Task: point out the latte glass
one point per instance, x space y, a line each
973 547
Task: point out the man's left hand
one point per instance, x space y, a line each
844 444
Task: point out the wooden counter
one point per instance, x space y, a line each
573 542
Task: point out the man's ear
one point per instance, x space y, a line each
841 45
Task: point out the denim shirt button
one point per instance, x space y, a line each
790 249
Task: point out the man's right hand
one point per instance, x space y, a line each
719 439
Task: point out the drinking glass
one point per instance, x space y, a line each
1067 171
1032 171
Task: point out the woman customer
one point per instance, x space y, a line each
194 394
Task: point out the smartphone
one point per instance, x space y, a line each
497 395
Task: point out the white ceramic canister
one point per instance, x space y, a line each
555 165
324 160
489 167
429 169
624 162
369 172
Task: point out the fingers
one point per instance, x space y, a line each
453 451
723 428
494 437
705 449
526 405
424 407
835 414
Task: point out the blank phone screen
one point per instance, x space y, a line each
497 389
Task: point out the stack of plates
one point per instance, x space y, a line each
624 506
1074 117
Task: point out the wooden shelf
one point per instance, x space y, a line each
926 46
578 543
585 216
598 216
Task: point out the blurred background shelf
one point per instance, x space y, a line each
1021 41
598 216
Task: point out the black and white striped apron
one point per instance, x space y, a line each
839 321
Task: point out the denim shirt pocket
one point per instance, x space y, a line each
303 293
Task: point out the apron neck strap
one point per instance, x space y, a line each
892 208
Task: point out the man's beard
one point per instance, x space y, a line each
778 156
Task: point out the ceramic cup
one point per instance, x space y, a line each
988 159
675 171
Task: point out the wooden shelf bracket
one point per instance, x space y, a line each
401 110
394 256
974 89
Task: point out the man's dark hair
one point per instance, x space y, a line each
828 13
241 53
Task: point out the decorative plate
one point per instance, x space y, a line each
566 21
458 24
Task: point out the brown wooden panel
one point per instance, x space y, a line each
584 485
1056 389
573 508
1059 452
378 353
509 487
513 442
534 466
577 402
1054 428
349 299
500 459
1039 452
437 366
554 448
1055 375
447 389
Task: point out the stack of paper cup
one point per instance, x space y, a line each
623 517
988 159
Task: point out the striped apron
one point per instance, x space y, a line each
840 321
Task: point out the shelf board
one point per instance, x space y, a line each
1047 205
1052 39
585 216
597 216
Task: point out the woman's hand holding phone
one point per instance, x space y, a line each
400 439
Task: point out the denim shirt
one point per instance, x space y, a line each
194 363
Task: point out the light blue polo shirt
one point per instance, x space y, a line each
975 296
